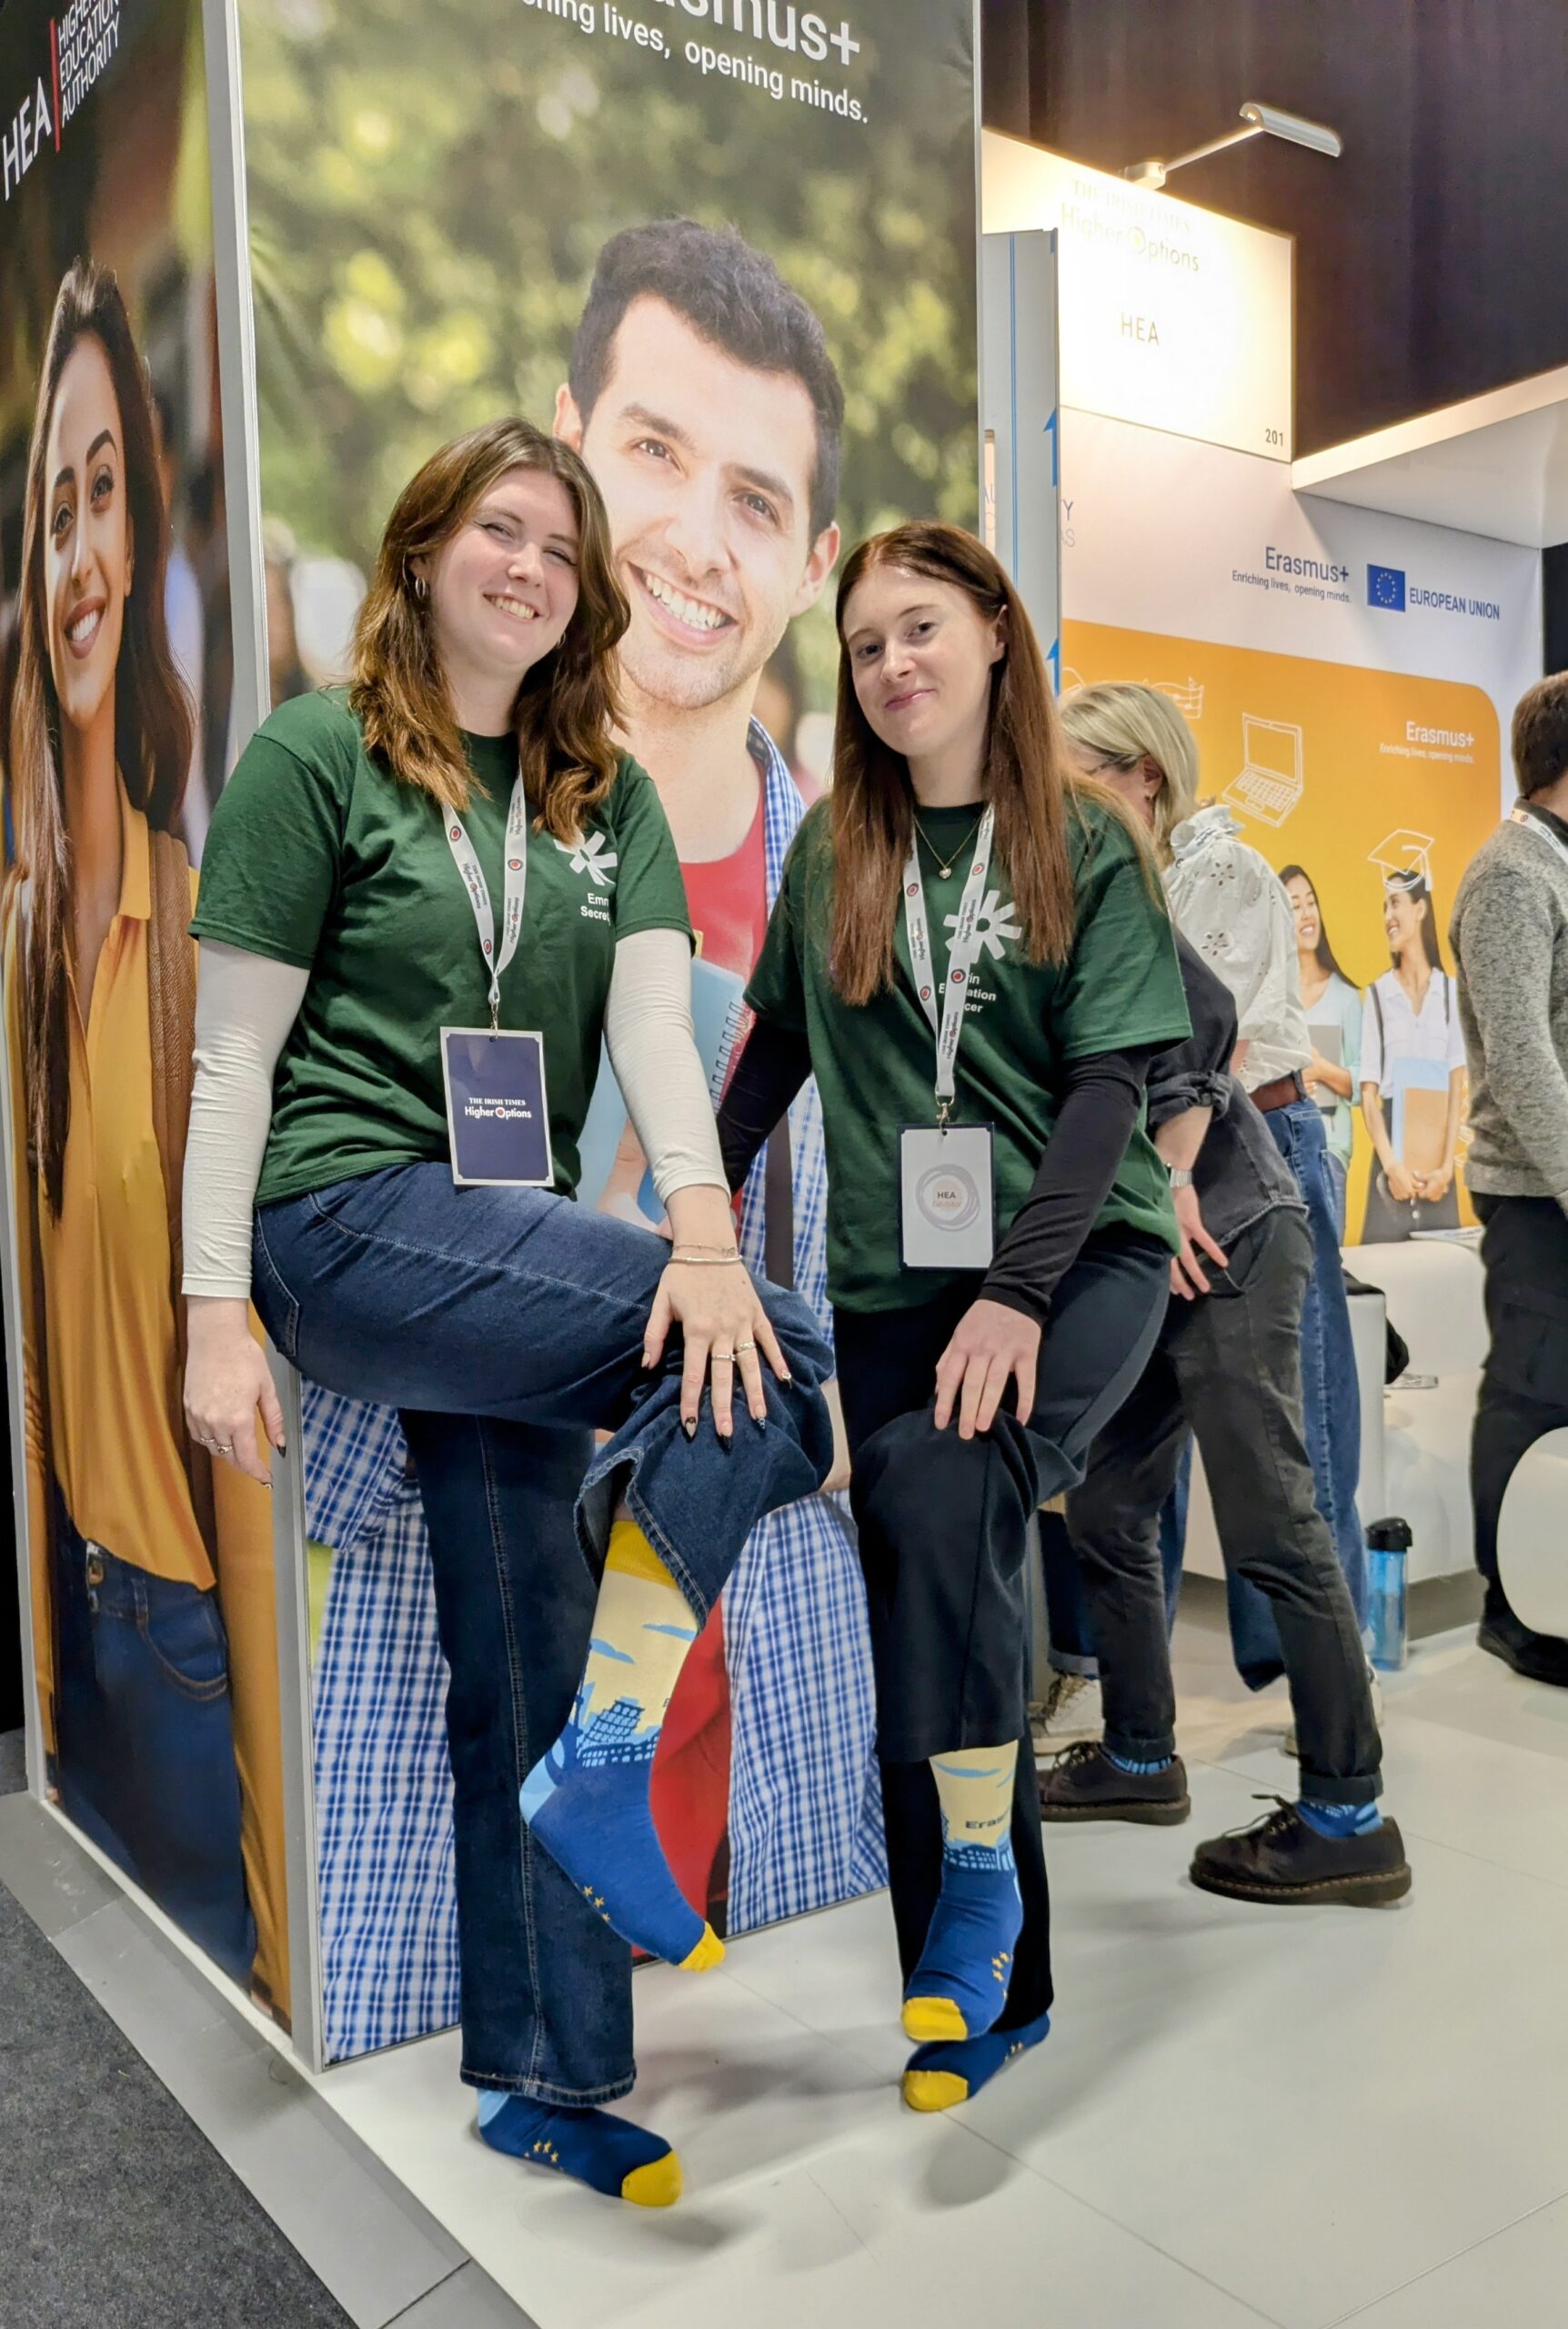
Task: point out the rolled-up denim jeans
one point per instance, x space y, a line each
144 1757
506 1324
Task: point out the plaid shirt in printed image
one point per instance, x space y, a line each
805 1814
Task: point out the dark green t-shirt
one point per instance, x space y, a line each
317 856
875 1063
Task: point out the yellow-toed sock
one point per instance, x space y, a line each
587 1799
960 1987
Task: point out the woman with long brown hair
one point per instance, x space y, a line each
398 1174
152 1583
971 955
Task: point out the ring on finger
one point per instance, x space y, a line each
742 1348
724 1358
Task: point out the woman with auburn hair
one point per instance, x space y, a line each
391 1082
971 955
148 1577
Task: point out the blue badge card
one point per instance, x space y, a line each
498 1120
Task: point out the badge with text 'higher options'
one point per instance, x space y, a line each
498 1119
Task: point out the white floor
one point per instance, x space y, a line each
1241 2115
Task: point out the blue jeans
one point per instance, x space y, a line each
1339 1187
145 1739
1331 1395
506 1323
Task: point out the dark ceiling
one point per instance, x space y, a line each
1430 258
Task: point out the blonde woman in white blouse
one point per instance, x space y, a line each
1412 1074
1230 906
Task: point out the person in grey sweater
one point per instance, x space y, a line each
1509 936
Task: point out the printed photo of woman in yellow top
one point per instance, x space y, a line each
152 1592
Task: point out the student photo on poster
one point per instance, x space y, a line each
1334 1007
155 1649
702 395
1411 1071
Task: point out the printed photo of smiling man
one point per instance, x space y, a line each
702 395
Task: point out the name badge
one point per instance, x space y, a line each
498 1121
946 1210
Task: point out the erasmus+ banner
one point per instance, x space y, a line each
155 1655
726 247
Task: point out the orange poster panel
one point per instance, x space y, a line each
1345 772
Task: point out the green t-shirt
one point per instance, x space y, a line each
875 1063
317 856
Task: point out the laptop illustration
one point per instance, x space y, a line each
1270 782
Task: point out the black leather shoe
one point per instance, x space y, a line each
1085 1784
1281 1858
1539 1658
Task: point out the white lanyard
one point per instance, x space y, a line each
949 1026
478 888
1542 832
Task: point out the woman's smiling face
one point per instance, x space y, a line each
1403 916
89 554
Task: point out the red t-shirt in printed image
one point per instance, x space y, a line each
727 898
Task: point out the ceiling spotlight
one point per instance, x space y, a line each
1258 121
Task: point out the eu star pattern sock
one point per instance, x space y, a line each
587 1798
595 2147
1341 1819
959 1986
1137 1770
937 2077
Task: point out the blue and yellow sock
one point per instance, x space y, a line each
587 1798
1341 1819
959 1986
937 2077
595 2147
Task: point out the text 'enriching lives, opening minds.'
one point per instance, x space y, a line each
774 27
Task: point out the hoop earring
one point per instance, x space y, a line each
421 588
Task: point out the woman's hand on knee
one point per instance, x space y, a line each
991 1346
227 1382
725 1331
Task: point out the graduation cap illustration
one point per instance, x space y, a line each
1404 857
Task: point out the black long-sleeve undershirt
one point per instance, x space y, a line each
1100 1102
772 1066
1098 1110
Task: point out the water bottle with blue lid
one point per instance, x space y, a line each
1388 1542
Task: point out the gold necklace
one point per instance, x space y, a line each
944 872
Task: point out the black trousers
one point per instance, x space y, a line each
944 1527
1524 1385
1229 1365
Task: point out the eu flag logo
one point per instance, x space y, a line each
1385 587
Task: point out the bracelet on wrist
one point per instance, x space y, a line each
704 1261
